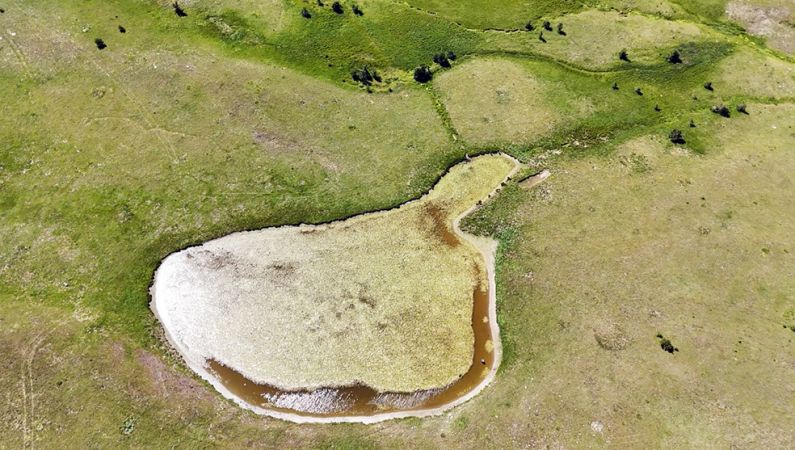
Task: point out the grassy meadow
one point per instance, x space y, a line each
243 115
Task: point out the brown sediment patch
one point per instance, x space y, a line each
441 229
166 381
360 400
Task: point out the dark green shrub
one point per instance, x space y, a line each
721 110
677 137
423 74
675 58
179 11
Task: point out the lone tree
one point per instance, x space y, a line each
529 26
179 11
721 110
356 10
677 137
305 14
708 86
337 8
423 74
675 58
741 108
560 30
441 59
638 91
622 55
100 44
122 29
541 37
547 25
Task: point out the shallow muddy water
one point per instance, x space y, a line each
362 400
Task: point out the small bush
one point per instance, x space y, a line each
122 29
365 76
675 58
708 86
547 26
560 30
423 74
638 91
100 44
356 10
541 37
615 86
529 26
337 8
677 137
666 344
657 108
178 10
451 56
623 56
721 110
692 123
305 14
441 59
741 108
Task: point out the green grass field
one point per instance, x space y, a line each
244 115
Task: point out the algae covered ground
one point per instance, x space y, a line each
119 148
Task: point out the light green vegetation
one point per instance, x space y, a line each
398 279
514 14
748 72
594 39
184 130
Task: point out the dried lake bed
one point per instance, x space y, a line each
383 315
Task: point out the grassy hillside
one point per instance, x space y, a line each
244 114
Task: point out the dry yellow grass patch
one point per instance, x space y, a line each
749 72
383 299
496 101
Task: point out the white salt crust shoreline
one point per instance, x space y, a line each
487 248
